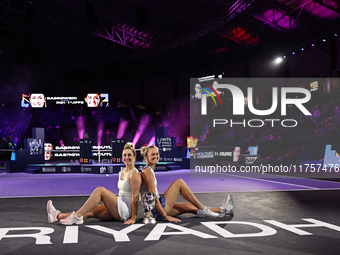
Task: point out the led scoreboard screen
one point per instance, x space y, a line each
39 100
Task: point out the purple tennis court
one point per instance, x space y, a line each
273 214
84 184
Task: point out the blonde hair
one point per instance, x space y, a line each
145 149
131 147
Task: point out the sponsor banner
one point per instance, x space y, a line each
117 160
166 143
103 170
46 169
85 161
175 155
168 159
86 169
109 169
246 159
67 169
205 154
161 168
60 169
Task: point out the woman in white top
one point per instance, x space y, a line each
167 206
122 207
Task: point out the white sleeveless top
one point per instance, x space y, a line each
124 186
143 187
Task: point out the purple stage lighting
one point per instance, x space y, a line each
80 126
100 129
62 143
121 128
152 141
143 123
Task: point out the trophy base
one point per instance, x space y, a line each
149 220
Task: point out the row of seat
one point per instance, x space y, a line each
14 122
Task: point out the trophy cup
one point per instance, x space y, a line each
149 202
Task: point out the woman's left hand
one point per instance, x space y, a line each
172 219
129 221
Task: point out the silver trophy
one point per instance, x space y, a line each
149 203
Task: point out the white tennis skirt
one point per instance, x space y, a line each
124 208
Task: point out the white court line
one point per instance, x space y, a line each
271 175
3 173
285 183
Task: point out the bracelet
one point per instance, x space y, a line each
165 216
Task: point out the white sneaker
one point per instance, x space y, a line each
72 219
206 213
228 206
51 212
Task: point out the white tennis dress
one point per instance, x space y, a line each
124 198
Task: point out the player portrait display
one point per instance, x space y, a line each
39 100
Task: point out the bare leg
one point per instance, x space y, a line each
180 208
89 209
100 194
63 215
171 195
99 212
215 209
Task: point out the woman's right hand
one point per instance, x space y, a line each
172 219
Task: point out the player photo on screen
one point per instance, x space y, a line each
37 100
97 100
48 151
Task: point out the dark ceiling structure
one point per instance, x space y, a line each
172 35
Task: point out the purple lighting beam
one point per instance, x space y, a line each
121 128
143 123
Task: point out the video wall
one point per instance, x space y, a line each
39 100
72 152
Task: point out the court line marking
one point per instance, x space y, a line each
187 171
284 183
280 176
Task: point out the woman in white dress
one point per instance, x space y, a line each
123 207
